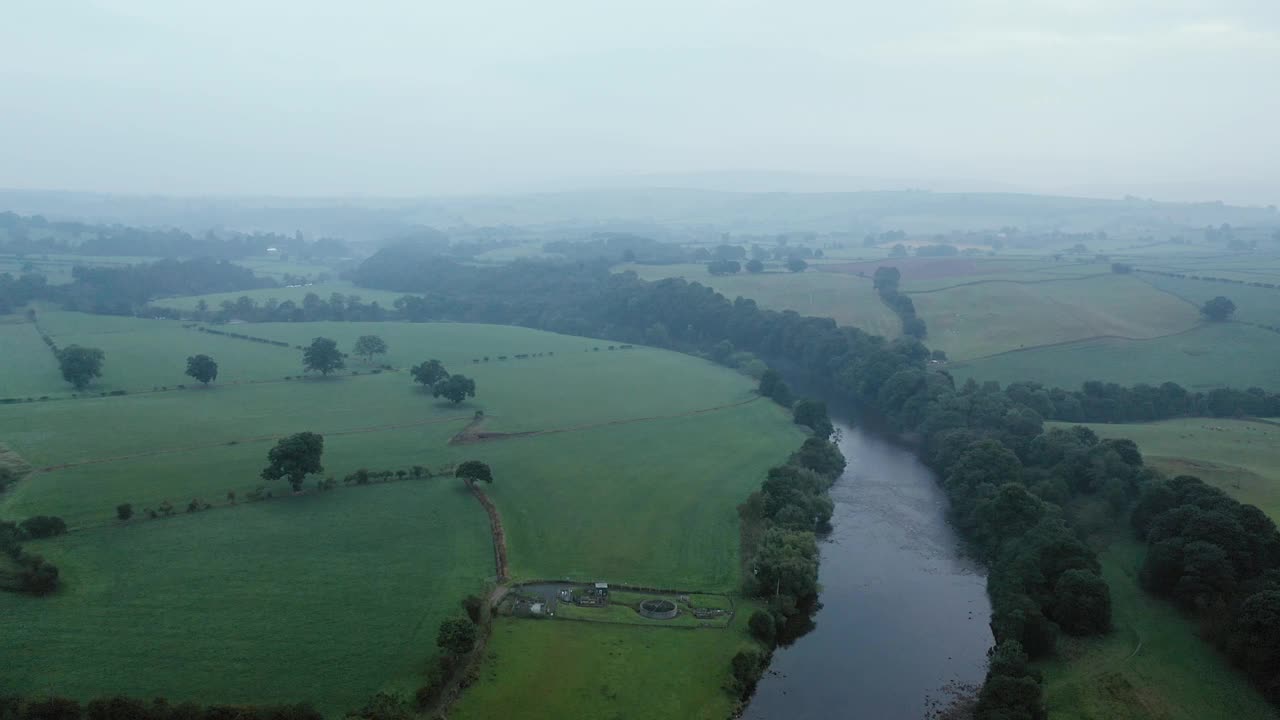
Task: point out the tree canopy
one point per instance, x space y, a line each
473 471
294 458
323 356
456 636
455 388
429 373
80 365
1218 309
369 345
202 368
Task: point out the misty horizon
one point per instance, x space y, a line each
294 100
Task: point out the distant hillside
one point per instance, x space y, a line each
630 209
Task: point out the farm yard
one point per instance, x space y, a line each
609 462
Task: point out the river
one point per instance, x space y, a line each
905 615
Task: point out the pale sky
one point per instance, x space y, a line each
313 97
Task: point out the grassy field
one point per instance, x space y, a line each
558 669
325 598
29 367
1240 456
636 463
970 321
1213 355
1253 304
1152 666
850 299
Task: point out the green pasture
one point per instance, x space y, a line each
1211 355
551 669
632 468
972 321
29 368
1253 304
1152 666
142 355
650 503
325 598
849 299
323 290
1240 456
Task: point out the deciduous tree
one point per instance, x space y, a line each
473 471
294 458
80 365
455 388
322 356
429 373
369 345
202 368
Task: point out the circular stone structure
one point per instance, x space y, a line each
658 609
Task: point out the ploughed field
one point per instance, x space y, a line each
625 465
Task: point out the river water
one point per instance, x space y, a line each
904 613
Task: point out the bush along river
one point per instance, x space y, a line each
903 625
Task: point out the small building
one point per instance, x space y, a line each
601 590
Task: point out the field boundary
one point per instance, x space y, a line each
1010 282
239 441
1064 343
496 531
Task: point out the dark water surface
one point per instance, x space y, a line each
904 612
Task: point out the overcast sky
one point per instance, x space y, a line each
1163 97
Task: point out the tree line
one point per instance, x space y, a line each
36 234
886 281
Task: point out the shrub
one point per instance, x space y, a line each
42 526
124 511
763 627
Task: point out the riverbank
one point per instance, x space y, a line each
904 613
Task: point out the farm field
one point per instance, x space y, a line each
1240 456
976 320
1152 666
633 467
324 290
1253 304
140 355
1211 355
613 671
850 300
325 598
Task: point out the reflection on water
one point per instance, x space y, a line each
904 613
